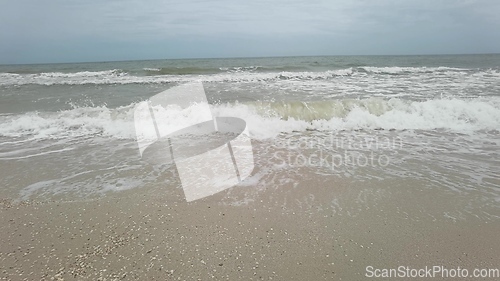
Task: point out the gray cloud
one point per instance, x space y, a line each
131 29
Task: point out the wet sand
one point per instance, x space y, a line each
285 232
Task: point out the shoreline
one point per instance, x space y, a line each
285 233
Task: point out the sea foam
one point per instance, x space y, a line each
267 120
248 74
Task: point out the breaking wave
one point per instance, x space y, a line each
268 119
232 74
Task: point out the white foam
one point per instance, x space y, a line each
33 155
70 123
113 72
232 75
449 114
458 115
399 70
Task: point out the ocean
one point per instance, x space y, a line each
377 124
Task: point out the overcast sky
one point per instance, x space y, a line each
91 30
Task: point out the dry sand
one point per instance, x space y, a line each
286 232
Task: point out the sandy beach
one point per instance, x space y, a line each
285 232
249 140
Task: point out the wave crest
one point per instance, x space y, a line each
233 74
268 119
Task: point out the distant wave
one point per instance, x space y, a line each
61 78
216 70
408 70
268 119
244 74
181 70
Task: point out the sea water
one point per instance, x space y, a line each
67 130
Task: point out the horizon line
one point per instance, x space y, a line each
249 57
